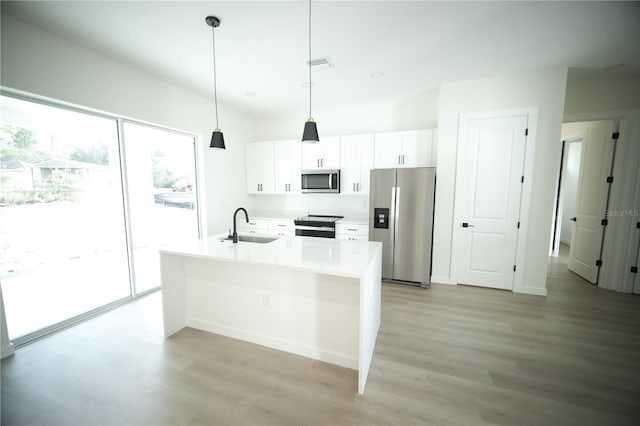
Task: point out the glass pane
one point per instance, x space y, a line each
62 237
161 178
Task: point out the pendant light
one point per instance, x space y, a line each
310 133
217 138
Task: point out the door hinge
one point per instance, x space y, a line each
518 225
615 136
526 132
610 179
634 269
598 262
521 179
514 268
604 222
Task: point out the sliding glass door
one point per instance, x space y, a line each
79 232
161 179
63 249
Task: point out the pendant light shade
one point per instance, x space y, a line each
310 134
217 138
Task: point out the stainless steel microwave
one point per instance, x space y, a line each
320 181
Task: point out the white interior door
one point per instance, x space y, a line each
591 201
492 162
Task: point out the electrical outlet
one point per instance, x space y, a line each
265 300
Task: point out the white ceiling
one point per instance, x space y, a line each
261 47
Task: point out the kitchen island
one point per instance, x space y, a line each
315 297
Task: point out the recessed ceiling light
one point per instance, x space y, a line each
306 84
250 94
376 74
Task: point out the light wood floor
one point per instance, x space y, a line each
450 355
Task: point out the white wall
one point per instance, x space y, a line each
586 95
542 90
417 111
44 64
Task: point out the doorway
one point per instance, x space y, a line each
584 188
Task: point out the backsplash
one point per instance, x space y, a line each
295 205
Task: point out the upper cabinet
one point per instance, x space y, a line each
260 168
409 148
274 167
323 155
288 164
356 154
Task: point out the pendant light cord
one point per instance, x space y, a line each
215 88
309 63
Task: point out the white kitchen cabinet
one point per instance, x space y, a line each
324 155
282 228
260 168
254 226
408 148
352 231
288 164
356 154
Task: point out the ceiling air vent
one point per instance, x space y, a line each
321 62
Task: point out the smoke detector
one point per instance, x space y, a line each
321 62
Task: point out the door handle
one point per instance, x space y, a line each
573 219
466 225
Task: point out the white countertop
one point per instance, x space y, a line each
320 255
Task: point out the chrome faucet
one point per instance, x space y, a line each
235 234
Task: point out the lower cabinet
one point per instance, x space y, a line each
283 228
352 231
254 226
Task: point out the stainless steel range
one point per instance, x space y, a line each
316 226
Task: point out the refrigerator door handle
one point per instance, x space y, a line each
392 218
396 212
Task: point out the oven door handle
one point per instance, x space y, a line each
315 228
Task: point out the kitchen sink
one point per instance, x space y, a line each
250 239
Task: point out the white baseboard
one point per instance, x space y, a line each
276 343
536 291
440 279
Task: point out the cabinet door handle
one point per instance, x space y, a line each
354 187
399 160
351 229
358 187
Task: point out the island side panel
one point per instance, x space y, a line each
370 302
305 313
174 305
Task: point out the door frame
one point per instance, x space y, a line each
525 195
625 252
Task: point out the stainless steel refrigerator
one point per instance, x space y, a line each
401 218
